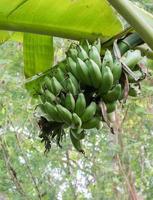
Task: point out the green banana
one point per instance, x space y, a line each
74 80
107 80
79 134
108 59
50 97
52 112
76 120
95 73
117 71
48 83
70 102
76 143
133 92
72 66
80 105
85 45
71 87
82 54
100 126
95 56
62 99
83 72
113 95
42 98
59 75
97 44
122 94
56 86
111 117
111 107
65 114
73 53
42 108
133 57
92 123
62 66
89 112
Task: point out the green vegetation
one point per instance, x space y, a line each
115 166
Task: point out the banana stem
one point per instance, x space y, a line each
126 9
130 42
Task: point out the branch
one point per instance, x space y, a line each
11 170
69 173
26 162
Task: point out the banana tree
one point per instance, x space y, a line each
85 102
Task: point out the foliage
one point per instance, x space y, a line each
116 167
62 21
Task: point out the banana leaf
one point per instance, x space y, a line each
69 19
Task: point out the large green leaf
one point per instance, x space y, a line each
73 19
38 53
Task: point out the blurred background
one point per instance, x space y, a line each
116 167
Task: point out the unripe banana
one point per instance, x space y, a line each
79 134
72 66
70 102
100 126
73 53
76 120
83 72
76 143
42 108
52 112
65 114
132 58
122 94
60 77
107 80
80 105
48 83
116 71
56 86
42 98
89 112
111 117
62 98
111 107
92 123
133 92
71 87
95 56
74 80
108 59
82 54
113 95
62 66
85 45
97 44
95 73
50 97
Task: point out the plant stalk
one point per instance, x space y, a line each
129 42
126 9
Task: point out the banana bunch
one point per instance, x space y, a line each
71 95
